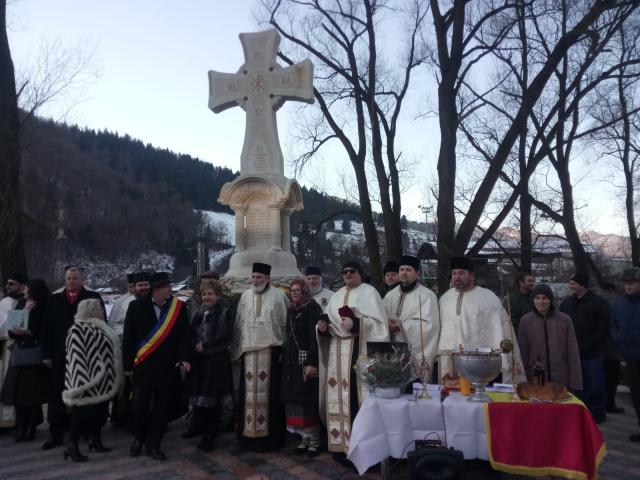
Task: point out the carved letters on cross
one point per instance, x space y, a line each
260 87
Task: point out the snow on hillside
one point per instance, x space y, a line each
217 256
223 223
100 272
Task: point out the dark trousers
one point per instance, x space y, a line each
594 390
87 419
149 421
633 368
207 419
57 415
27 418
611 378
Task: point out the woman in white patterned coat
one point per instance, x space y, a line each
93 376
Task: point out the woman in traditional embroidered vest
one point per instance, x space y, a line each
93 376
300 369
210 379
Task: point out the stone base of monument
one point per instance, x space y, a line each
283 268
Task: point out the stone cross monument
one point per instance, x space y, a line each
261 197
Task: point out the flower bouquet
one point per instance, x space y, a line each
387 369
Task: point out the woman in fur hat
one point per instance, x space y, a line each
93 376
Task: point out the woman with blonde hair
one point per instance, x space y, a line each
93 376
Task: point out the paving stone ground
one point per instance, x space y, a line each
228 462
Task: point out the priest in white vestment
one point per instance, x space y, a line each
355 316
259 334
473 317
15 286
409 304
121 305
313 279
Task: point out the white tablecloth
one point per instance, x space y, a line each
386 428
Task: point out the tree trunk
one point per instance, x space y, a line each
368 225
12 256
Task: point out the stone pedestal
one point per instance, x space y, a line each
262 197
262 206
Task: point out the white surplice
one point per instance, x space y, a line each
474 319
260 324
409 308
336 362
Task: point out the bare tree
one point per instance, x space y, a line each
464 37
12 256
616 110
360 98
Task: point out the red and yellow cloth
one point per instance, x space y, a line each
519 439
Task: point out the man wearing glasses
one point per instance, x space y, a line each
356 316
15 286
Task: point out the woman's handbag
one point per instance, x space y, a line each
25 356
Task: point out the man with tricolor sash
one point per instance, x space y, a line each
155 345
260 333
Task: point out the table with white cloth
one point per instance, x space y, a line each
561 438
387 427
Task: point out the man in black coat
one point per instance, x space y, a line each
155 344
590 314
59 316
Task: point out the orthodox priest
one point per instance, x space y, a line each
313 279
355 316
408 304
259 335
473 317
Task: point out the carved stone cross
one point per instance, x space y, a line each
260 87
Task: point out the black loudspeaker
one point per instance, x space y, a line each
435 464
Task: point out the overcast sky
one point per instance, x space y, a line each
152 58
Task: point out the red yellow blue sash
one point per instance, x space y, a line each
159 332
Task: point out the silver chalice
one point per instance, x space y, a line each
480 366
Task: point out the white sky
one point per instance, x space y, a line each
152 58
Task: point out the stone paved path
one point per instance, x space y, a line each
228 462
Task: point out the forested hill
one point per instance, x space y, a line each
112 195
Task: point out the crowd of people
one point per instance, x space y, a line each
276 362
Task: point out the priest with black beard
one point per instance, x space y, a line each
257 347
409 304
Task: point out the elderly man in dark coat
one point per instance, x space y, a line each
155 343
59 316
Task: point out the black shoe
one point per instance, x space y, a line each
51 442
96 444
19 436
72 451
154 452
31 434
207 444
615 409
136 448
300 450
191 432
635 437
313 452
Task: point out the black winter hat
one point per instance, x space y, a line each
391 266
463 263
542 289
263 268
313 270
581 278
411 261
